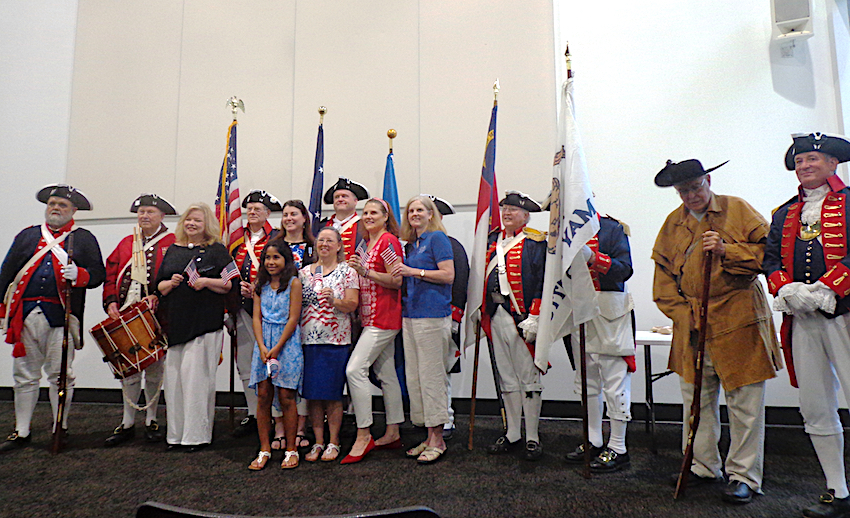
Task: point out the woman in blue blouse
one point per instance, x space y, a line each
428 270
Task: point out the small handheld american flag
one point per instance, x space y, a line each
389 256
191 272
229 272
361 251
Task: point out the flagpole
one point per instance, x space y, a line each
235 104
483 306
392 134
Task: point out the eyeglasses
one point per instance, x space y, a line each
684 190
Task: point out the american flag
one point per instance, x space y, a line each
191 271
487 219
389 256
315 207
361 251
227 207
229 272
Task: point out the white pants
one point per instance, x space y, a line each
190 389
44 351
745 405
517 371
609 375
131 386
821 348
376 347
244 350
519 377
426 341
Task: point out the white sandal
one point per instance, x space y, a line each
331 453
315 453
288 455
260 462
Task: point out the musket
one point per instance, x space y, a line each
693 421
474 383
63 366
585 419
498 382
232 412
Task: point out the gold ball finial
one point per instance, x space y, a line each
322 110
392 133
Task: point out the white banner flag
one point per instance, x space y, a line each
569 298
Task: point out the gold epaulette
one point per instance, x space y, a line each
626 228
534 235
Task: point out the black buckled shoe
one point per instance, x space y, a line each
503 445
120 435
610 461
533 450
153 433
577 455
737 492
448 433
829 507
15 442
246 427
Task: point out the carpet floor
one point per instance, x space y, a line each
89 480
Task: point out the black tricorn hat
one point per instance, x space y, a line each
674 173
153 200
832 145
442 205
258 196
61 190
344 183
521 200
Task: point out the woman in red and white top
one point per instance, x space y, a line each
380 316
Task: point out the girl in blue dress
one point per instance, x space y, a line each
278 361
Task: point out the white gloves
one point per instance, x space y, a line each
798 298
455 327
475 317
529 328
70 272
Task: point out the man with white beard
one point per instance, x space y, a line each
33 278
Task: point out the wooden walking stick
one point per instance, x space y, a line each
693 421
63 367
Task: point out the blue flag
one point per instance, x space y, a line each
315 207
390 188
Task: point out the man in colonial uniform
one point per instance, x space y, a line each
740 347
130 277
461 264
33 277
258 205
516 259
344 195
808 272
609 349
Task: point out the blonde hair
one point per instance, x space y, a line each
212 232
435 224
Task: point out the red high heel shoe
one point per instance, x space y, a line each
351 459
